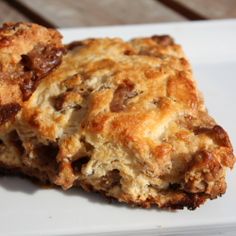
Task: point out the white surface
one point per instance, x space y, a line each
26 209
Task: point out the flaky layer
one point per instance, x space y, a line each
124 119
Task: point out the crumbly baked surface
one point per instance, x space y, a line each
122 118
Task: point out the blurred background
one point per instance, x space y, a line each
82 13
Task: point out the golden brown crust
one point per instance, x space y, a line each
121 118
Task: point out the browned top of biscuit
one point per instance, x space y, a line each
136 104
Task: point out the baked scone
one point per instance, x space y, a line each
122 118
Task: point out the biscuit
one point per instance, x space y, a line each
121 118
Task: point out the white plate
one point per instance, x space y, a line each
26 209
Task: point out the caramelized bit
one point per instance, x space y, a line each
163 40
28 85
122 94
38 63
42 59
8 111
202 130
217 133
